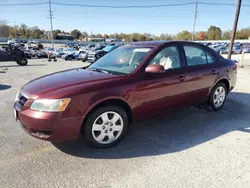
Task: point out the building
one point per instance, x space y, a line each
64 36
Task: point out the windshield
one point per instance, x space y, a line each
108 48
123 60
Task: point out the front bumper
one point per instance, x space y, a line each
48 126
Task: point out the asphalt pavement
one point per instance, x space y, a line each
191 147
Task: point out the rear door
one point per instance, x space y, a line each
201 72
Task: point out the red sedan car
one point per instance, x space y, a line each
132 82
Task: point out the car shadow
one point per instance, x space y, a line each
176 131
29 65
4 87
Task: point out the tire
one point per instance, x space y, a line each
218 96
14 58
22 62
98 129
69 58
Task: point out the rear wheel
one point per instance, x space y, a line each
218 96
106 126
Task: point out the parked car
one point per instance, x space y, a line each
97 54
91 50
132 82
71 56
237 49
13 54
246 49
48 50
59 52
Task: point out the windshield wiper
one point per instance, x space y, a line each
100 70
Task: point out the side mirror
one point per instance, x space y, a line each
155 68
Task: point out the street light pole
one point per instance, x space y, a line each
234 29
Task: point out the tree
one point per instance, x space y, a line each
227 35
214 33
23 30
85 34
76 33
184 35
4 28
36 32
243 33
201 35
99 35
165 37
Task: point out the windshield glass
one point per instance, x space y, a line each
108 48
123 60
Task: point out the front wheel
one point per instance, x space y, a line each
218 96
22 61
106 126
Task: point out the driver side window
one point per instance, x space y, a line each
168 57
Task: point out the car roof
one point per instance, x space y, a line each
159 43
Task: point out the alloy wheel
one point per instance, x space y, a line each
219 96
107 127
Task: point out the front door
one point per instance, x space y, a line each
160 92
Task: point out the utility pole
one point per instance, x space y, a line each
15 28
51 24
234 29
195 17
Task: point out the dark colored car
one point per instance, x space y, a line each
93 56
71 56
132 82
8 53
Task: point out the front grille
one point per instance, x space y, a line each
21 101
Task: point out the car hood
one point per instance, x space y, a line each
63 82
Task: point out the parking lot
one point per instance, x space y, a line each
191 147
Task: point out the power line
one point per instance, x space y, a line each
125 6
222 4
23 4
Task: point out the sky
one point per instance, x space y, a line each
105 21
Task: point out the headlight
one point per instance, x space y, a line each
16 98
50 105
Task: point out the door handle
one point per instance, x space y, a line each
214 71
182 77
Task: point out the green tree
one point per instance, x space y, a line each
214 33
227 35
243 33
36 32
23 30
184 35
4 28
76 33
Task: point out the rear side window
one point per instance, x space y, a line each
210 58
195 55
